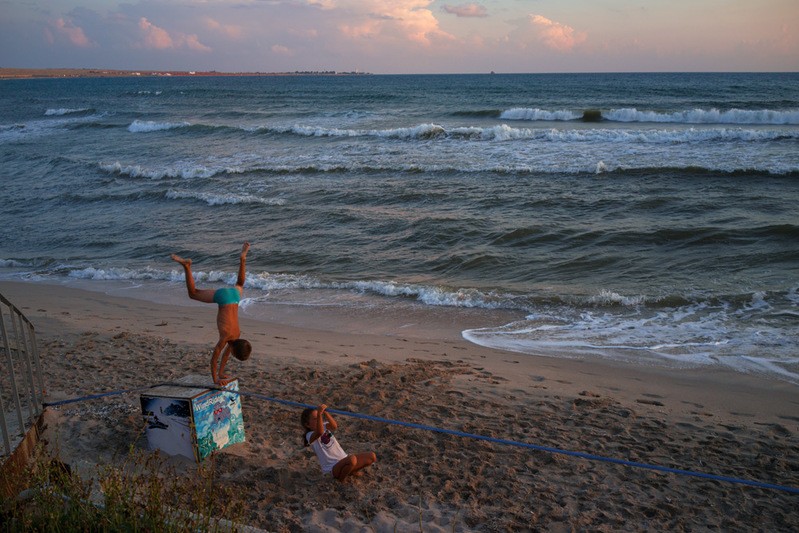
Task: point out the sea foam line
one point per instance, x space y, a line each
692 116
504 132
147 126
188 170
66 111
222 199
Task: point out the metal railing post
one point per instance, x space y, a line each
25 396
20 352
24 345
38 363
10 360
4 426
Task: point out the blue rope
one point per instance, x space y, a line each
95 396
537 447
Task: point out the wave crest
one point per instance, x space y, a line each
65 111
137 171
222 199
766 117
147 126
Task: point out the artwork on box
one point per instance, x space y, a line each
168 425
218 420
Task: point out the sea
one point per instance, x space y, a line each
647 219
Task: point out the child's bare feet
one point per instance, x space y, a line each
185 262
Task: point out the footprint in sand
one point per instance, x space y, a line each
650 402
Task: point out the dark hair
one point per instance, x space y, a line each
305 417
241 349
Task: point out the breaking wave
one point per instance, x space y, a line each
147 126
64 111
766 117
222 199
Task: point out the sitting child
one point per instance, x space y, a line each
333 459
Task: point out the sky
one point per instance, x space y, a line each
402 36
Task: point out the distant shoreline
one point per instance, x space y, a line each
31 73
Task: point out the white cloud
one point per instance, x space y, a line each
466 10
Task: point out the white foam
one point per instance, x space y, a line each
116 274
609 297
188 171
222 199
707 116
503 132
690 116
422 131
520 113
66 111
745 337
147 126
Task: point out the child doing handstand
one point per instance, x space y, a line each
227 316
320 425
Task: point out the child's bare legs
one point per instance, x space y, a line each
242 260
352 463
202 295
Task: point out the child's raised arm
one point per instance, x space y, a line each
331 423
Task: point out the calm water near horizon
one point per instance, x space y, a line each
647 218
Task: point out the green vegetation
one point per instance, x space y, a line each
141 494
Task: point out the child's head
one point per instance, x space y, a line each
306 419
241 349
307 416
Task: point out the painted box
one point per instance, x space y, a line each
191 419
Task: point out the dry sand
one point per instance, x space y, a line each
712 421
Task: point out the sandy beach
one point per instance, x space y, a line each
420 370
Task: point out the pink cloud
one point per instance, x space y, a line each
154 37
556 35
74 34
366 29
409 20
192 42
229 30
281 50
160 39
466 10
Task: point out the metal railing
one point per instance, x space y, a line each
21 382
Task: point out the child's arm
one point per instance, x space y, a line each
319 427
330 422
223 378
215 360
